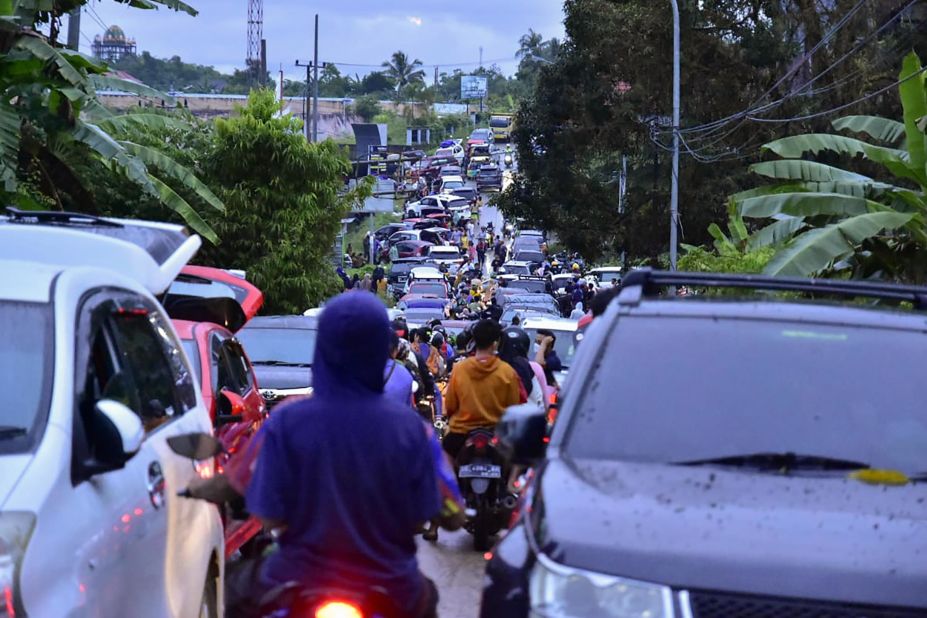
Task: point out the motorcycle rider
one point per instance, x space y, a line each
514 350
348 491
480 389
397 378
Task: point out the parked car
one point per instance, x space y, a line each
425 274
604 275
528 285
533 257
399 273
208 305
422 301
428 287
421 209
384 232
468 193
770 454
448 255
449 170
96 382
281 348
489 177
449 183
480 136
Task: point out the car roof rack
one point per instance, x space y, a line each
15 215
648 282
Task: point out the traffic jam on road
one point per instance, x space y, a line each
611 443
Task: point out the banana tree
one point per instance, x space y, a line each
823 218
51 121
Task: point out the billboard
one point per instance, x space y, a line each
472 87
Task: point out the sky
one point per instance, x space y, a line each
360 32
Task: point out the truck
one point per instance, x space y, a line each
501 125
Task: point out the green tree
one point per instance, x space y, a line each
285 199
366 107
403 71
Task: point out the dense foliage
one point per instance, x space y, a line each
284 200
608 92
54 133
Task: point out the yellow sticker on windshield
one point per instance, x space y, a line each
806 334
880 477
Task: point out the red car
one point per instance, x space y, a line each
412 248
209 305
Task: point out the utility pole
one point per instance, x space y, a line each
674 191
481 56
622 192
74 29
315 93
436 76
306 130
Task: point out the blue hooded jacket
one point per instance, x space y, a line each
348 470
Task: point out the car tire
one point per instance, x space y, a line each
209 607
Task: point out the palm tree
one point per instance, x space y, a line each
403 71
529 44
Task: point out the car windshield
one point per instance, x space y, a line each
530 256
435 289
517 269
770 387
500 123
278 345
530 286
453 184
565 345
26 360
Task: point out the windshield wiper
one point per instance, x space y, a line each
276 363
780 461
7 432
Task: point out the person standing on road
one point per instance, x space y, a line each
481 253
397 378
546 355
480 389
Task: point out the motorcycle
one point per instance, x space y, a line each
289 599
480 475
508 160
293 600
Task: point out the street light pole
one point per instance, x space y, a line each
674 190
315 88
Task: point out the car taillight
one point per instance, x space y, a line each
338 609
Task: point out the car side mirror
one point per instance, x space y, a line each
122 433
195 446
231 407
522 434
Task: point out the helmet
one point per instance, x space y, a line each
555 262
437 340
575 266
515 342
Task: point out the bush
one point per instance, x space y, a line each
366 107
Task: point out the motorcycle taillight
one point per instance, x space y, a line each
479 442
338 609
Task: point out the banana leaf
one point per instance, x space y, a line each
48 54
816 249
775 233
172 200
878 128
806 205
794 169
914 104
795 146
168 167
9 145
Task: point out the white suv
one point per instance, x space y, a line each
95 382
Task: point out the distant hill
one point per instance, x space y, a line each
175 74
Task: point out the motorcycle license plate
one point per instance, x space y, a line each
480 471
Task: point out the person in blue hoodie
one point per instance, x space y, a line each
348 475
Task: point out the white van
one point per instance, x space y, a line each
96 382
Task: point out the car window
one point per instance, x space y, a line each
26 365
142 359
184 383
735 387
279 345
238 364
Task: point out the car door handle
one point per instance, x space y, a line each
156 485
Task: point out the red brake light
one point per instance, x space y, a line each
337 609
8 602
480 441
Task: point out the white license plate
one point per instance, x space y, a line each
480 471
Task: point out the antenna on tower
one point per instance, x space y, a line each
255 59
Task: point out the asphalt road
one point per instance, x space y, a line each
457 570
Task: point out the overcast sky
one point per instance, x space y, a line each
363 32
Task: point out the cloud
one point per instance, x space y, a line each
415 20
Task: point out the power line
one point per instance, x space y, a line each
429 66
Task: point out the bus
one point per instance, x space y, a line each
501 125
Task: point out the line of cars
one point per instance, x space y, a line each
113 346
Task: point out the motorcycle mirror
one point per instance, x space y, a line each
196 446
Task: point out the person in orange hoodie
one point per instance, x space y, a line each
480 389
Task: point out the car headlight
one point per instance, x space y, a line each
15 530
559 591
